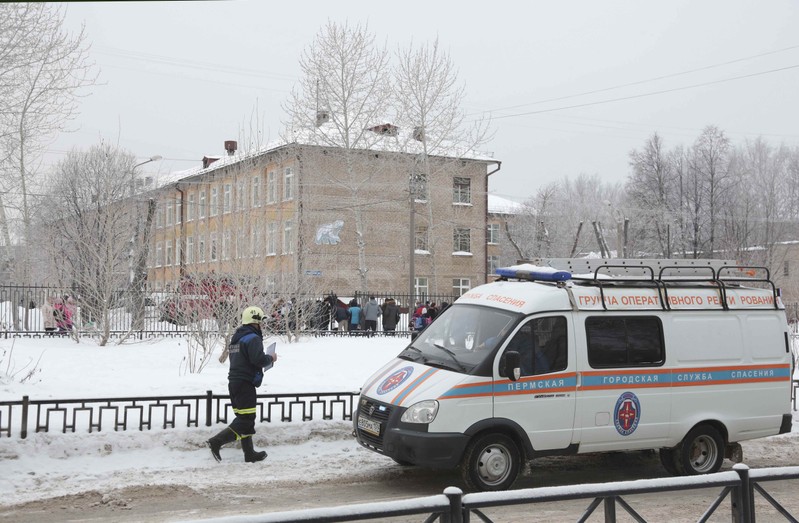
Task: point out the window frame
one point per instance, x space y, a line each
461 190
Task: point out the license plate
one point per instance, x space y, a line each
370 426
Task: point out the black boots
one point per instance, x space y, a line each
223 438
250 455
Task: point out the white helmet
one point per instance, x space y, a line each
252 315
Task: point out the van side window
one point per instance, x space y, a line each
618 341
542 344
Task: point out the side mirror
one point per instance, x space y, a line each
510 365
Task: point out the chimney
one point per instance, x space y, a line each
231 146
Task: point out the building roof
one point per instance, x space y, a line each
499 205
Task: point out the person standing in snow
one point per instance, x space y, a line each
371 311
354 316
247 362
391 316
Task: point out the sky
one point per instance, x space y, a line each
571 87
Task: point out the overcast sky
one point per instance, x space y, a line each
572 86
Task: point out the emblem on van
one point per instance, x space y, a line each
395 380
627 413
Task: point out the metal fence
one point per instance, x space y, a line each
145 413
739 487
22 314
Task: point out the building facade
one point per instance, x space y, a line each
313 219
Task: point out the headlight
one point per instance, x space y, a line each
422 412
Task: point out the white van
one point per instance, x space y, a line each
685 356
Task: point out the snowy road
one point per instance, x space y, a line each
323 468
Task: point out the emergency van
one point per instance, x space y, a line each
568 356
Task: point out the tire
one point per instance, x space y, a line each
403 463
701 451
492 462
669 462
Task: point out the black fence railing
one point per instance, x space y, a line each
739 488
146 413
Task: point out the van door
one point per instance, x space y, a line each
624 389
542 401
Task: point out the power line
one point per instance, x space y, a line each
653 93
654 79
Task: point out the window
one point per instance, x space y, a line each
422 237
288 184
255 241
271 238
493 233
201 209
214 210
168 253
178 211
226 240
159 254
460 286
212 250
241 196
190 249
170 213
256 191
159 217
287 237
201 248
227 198
493 264
462 190
191 207
271 187
241 244
419 187
618 341
542 345
461 240
421 287
178 261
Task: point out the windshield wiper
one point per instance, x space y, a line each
421 354
451 355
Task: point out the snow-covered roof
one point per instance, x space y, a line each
323 136
499 205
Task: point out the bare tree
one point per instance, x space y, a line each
429 102
47 69
342 96
87 218
711 163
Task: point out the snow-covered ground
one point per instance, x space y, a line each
301 454
53 464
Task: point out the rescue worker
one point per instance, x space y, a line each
247 362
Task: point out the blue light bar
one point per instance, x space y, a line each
534 275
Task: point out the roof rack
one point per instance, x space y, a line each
670 272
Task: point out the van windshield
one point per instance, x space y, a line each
461 338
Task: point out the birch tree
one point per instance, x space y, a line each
343 93
650 187
44 70
710 162
429 102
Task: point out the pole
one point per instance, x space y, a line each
411 244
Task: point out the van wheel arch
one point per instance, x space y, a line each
507 427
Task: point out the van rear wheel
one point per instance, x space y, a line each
701 451
491 462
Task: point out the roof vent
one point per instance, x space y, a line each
231 146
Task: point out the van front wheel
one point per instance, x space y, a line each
491 462
701 452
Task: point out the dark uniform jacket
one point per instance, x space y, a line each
247 357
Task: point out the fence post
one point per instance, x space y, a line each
743 505
209 398
610 509
455 514
23 433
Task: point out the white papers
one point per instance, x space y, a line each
270 350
